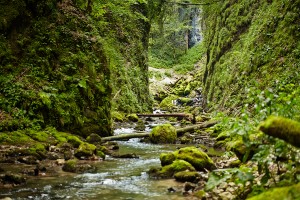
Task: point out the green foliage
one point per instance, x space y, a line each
237 175
250 49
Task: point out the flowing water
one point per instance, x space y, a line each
114 178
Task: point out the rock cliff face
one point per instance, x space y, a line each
253 49
63 61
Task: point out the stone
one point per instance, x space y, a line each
166 158
163 134
226 196
197 158
187 176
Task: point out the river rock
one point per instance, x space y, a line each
226 196
163 134
176 166
197 158
85 150
13 179
166 158
187 176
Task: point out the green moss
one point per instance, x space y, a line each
166 158
283 128
185 176
70 165
195 157
74 140
100 154
163 134
14 138
167 103
85 150
176 166
283 193
133 117
118 116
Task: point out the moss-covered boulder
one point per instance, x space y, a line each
187 176
282 128
76 167
133 117
167 103
166 158
164 134
85 150
176 166
197 158
283 193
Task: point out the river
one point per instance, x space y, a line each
113 178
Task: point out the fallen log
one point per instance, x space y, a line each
182 115
207 124
282 128
125 136
179 131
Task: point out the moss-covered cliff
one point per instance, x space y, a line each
253 53
62 62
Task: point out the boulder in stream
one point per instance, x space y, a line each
197 158
163 134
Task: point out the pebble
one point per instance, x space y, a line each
223 185
226 196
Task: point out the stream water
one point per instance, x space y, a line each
114 178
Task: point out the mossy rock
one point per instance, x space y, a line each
14 179
140 126
93 138
240 149
133 117
166 158
70 165
187 176
186 140
176 166
282 128
74 141
85 150
167 103
283 193
197 158
118 116
100 154
187 90
164 134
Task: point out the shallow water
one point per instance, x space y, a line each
113 179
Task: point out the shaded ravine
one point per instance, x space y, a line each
114 178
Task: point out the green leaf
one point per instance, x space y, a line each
82 83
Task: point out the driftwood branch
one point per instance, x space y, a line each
180 132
